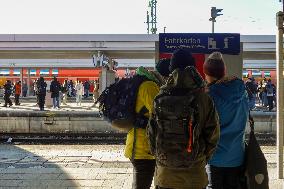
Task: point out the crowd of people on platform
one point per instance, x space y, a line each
59 92
262 93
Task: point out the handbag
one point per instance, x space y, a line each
255 164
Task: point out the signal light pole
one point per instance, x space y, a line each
214 14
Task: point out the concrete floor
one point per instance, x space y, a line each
78 166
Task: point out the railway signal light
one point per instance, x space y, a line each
215 12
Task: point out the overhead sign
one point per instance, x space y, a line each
206 43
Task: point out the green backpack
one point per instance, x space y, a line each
174 124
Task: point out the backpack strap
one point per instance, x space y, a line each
251 123
143 111
141 120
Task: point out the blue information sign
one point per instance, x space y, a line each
206 43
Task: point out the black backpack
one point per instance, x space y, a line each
174 126
118 101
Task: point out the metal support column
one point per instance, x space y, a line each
22 79
29 81
280 96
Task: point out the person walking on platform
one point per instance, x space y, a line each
18 90
7 93
55 88
79 92
86 88
64 92
41 92
224 169
184 128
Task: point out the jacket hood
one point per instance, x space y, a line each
144 72
151 75
185 79
228 89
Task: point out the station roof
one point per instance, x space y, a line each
63 47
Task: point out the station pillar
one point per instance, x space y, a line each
22 79
107 77
280 93
29 81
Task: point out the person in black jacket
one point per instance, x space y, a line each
55 87
86 88
251 88
7 93
41 92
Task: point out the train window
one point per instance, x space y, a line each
4 72
16 72
44 72
32 71
256 73
267 74
54 72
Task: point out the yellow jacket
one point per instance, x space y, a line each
145 97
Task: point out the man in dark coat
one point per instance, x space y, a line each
55 87
7 93
86 88
41 92
251 88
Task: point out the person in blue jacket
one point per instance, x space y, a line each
229 94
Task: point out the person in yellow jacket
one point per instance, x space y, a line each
142 160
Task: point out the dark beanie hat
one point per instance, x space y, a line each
163 67
214 66
181 59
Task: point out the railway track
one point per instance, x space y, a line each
63 138
266 139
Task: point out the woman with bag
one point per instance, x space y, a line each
225 168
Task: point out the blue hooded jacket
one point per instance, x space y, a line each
231 102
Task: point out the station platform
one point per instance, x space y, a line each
79 166
72 118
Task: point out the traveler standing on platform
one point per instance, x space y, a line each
95 92
79 92
55 88
65 91
41 92
137 147
18 90
69 88
25 89
7 93
230 98
270 91
35 87
187 127
86 88
251 88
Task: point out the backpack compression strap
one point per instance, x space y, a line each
143 111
